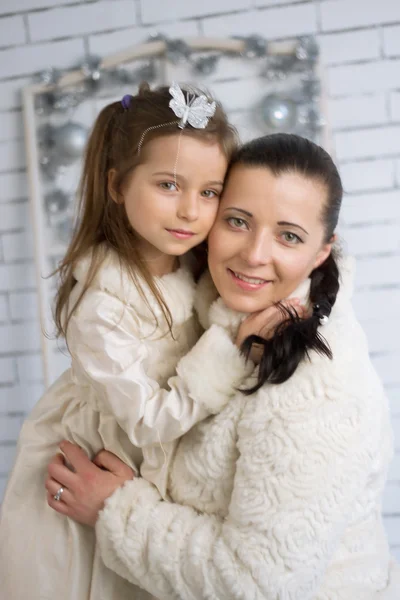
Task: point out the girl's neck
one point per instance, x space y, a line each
158 263
162 265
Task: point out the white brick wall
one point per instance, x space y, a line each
360 44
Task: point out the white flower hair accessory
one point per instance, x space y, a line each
195 110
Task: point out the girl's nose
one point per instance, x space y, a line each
188 208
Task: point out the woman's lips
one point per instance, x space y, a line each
245 282
181 234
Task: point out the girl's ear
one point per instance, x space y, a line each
114 195
324 252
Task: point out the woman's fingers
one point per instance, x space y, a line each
58 506
265 322
76 457
63 474
107 460
53 486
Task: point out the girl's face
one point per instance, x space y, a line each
172 215
267 238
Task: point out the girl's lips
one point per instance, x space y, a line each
247 285
181 234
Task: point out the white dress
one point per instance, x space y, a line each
279 496
113 398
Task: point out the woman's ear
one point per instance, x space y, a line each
114 195
324 252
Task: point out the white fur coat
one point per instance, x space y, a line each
276 498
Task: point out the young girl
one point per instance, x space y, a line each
153 174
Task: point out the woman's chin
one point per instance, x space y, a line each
240 304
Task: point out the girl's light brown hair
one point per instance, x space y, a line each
102 223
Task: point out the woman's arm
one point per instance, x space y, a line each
109 356
295 486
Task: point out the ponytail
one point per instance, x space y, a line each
295 338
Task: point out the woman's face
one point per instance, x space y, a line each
267 238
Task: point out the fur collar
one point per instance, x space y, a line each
177 288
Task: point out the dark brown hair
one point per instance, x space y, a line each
102 224
295 338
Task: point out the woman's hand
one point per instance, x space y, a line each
264 324
87 486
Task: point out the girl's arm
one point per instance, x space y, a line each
300 469
110 357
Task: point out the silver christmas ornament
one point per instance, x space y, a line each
49 76
177 51
307 49
279 114
51 167
278 68
56 202
206 65
69 141
255 46
91 68
311 86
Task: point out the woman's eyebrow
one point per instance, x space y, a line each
287 224
241 210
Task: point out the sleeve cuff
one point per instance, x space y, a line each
213 369
121 527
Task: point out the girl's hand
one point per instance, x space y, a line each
264 323
86 487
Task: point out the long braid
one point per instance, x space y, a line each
295 338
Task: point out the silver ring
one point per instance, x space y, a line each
57 496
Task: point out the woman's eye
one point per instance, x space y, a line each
210 194
168 185
237 222
291 238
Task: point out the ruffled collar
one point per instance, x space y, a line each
177 288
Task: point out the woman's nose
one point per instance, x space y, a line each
257 251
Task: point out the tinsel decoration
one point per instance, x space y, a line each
255 46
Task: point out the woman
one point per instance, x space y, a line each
278 496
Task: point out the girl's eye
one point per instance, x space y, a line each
237 222
168 185
210 194
291 238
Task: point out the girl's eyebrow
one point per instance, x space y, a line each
241 210
287 224
173 175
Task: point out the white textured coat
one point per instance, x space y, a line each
113 398
276 498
